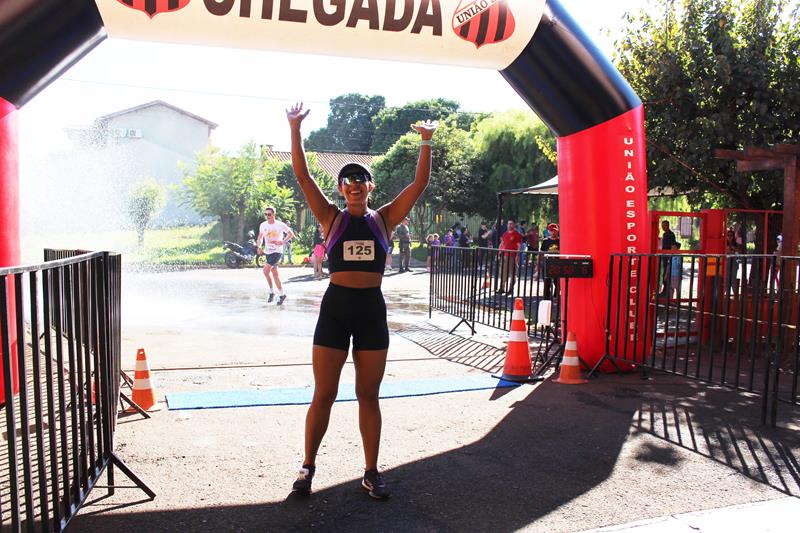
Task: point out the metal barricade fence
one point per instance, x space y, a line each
479 285
786 374
726 320
60 331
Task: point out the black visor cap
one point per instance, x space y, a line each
354 168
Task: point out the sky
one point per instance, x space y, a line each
246 92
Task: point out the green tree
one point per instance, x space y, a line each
234 188
144 202
453 156
349 127
513 150
287 179
715 73
269 192
391 123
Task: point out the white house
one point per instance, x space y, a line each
107 160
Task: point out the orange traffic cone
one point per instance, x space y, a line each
143 394
518 356
570 365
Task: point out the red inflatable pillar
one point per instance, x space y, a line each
602 204
9 221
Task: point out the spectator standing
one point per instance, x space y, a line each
465 241
732 248
457 230
482 240
318 252
449 239
551 245
522 227
431 241
404 239
287 252
499 231
676 272
495 236
667 240
667 237
510 245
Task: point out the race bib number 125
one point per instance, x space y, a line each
359 250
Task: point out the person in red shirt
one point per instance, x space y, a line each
510 245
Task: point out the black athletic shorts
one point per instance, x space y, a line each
272 259
346 312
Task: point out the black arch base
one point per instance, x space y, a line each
40 40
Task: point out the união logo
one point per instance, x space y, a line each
154 7
483 21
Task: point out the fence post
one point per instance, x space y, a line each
776 355
476 279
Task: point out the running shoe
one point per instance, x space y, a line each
375 484
271 297
303 481
281 298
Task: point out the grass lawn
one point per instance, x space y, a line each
184 245
178 246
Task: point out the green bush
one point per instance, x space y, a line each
305 238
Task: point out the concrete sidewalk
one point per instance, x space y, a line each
536 458
772 516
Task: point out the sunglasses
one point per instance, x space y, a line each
350 179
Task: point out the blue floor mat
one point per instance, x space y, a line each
302 395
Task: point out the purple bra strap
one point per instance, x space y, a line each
378 228
340 223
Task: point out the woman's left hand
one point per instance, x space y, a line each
425 129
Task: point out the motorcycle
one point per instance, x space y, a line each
244 253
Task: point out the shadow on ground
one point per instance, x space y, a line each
555 445
723 426
455 348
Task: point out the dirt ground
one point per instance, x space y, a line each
547 457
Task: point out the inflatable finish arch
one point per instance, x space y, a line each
534 44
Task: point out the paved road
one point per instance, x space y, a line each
221 316
543 458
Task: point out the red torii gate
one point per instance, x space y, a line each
784 157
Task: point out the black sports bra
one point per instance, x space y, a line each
357 244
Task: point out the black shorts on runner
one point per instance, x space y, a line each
346 312
273 259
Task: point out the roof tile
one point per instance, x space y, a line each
330 162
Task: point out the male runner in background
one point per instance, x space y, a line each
274 234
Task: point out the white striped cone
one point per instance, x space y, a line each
517 366
570 364
143 394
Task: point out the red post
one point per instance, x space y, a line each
602 204
9 222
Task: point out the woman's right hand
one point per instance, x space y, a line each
296 114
